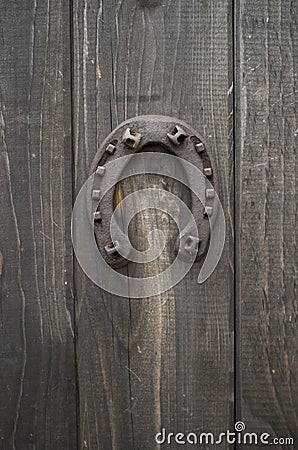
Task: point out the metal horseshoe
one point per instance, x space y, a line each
176 138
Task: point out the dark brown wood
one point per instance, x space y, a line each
165 362
266 204
37 389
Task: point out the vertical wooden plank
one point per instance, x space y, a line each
267 254
167 362
37 390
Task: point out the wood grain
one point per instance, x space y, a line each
266 163
165 362
37 390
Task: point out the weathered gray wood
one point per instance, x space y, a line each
266 231
37 389
167 362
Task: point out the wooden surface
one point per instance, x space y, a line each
80 368
266 233
37 388
167 361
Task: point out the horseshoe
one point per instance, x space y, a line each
172 136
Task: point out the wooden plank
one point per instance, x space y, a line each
267 199
37 390
167 362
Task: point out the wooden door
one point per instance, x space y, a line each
81 368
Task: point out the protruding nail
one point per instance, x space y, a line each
210 193
96 194
208 171
100 171
191 244
97 216
200 147
111 249
178 136
111 149
208 211
131 138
